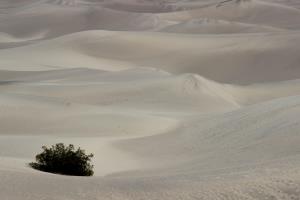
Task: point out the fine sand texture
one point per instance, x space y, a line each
177 99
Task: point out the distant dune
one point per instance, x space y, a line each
228 58
177 99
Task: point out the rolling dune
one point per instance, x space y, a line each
241 59
177 99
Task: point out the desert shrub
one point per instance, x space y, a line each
61 159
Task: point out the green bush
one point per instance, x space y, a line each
61 159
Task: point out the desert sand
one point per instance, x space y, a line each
177 99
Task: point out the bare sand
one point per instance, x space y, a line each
190 99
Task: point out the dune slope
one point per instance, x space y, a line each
177 99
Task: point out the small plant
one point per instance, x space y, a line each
61 159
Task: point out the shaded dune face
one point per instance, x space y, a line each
177 99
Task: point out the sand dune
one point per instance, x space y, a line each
240 60
245 11
43 21
212 26
188 91
177 99
211 154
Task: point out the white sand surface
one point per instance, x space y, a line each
177 99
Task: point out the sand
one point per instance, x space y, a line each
176 99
